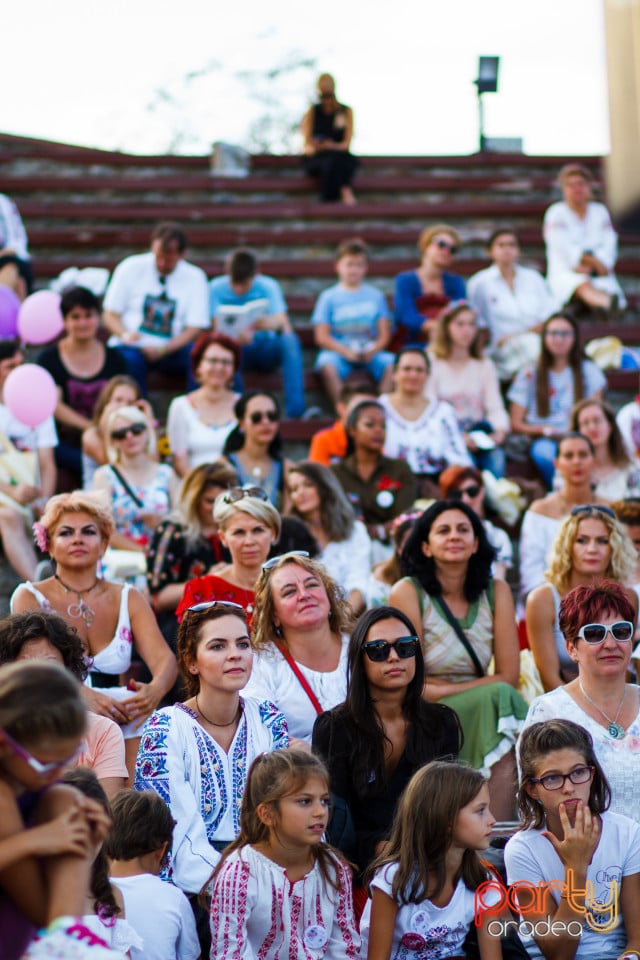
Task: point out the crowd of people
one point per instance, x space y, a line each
284 702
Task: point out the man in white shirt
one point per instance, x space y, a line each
15 261
512 302
156 305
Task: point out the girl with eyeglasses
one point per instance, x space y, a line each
574 866
542 395
384 731
109 617
254 448
590 545
248 526
598 623
420 295
464 620
196 755
141 490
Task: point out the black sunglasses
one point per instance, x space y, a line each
135 429
590 507
379 650
443 245
235 494
259 415
472 491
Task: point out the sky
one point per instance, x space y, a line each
151 76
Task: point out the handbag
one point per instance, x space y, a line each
460 635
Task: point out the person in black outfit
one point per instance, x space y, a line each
375 741
327 128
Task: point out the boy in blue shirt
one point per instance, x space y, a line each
352 326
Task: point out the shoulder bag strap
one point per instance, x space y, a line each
301 677
460 634
136 499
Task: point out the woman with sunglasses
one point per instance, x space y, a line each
597 623
421 294
542 395
248 525
614 474
110 618
299 637
465 619
463 377
254 448
466 484
327 128
383 732
590 545
196 754
141 490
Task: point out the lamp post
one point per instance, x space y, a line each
487 82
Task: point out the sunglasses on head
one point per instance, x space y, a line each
235 494
42 769
445 245
379 650
135 429
270 564
472 491
259 415
621 631
208 604
588 508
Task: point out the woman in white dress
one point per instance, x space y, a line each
299 636
318 499
581 245
614 475
199 422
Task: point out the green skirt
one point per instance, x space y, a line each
491 717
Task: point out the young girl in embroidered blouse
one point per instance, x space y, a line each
423 886
279 891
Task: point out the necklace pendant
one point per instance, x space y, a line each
615 730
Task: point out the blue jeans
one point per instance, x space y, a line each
268 351
495 461
543 452
173 363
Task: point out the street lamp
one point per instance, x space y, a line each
487 82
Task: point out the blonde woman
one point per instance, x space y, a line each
140 489
590 545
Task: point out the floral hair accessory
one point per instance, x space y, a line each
41 536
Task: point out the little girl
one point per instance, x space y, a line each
279 891
103 910
570 843
47 830
423 885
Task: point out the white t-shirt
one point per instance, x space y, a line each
529 857
506 311
439 931
24 437
161 915
349 561
13 235
136 291
189 436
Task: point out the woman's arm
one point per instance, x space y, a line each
156 654
93 445
306 127
47 470
506 649
407 288
540 615
629 900
384 911
518 415
404 596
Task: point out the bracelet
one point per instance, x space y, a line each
630 954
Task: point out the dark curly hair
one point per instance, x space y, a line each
21 628
414 563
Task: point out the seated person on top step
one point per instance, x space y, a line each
156 305
352 326
249 307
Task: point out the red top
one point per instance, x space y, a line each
202 589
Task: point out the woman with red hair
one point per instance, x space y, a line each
598 624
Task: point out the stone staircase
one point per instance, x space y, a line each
87 207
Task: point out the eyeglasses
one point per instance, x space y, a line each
235 494
472 492
208 604
562 334
327 96
621 631
259 415
555 781
218 361
379 650
135 429
270 564
590 507
42 769
443 245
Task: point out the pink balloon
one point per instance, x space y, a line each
30 394
40 317
9 307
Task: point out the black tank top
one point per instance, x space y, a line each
329 126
